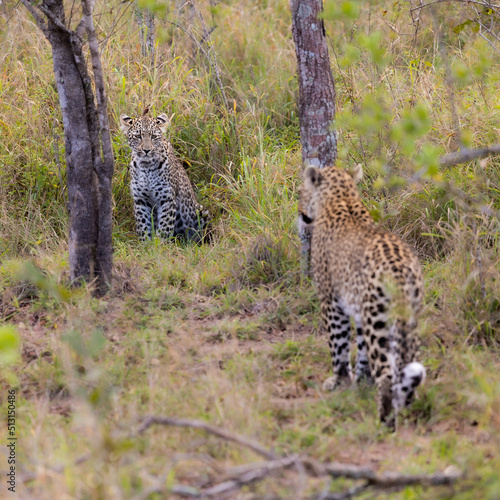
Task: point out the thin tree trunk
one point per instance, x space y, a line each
316 86
146 21
103 165
79 156
316 95
148 34
88 174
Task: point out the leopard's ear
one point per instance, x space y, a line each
125 123
162 121
356 172
312 177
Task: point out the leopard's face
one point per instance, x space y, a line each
336 184
144 134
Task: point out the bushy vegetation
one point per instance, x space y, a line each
227 332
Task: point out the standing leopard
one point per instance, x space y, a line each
162 192
370 276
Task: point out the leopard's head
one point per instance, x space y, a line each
144 134
330 186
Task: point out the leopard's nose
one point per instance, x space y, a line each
146 151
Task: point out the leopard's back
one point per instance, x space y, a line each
369 275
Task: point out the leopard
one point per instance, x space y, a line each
164 199
369 280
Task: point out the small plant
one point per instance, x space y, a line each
268 260
9 351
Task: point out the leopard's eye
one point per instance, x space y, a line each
305 218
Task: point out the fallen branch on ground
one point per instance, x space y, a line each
465 155
239 476
199 424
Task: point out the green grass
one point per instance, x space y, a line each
228 332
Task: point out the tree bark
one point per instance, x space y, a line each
88 175
316 86
104 165
146 21
316 96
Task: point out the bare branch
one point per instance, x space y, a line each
252 473
39 19
13 9
116 26
388 479
489 41
199 424
235 478
103 166
50 15
239 476
484 4
87 6
465 155
213 60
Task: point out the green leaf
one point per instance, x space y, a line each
76 342
334 11
85 348
461 73
459 27
414 124
146 4
372 119
377 211
96 342
351 55
26 271
9 345
373 44
428 161
349 10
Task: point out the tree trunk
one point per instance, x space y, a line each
89 177
104 165
316 95
146 21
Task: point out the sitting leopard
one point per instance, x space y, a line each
371 276
162 192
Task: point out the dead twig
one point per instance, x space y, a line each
237 477
484 4
251 473
199 424
465 155
39 19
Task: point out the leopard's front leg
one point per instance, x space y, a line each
142 214
167 208
337 325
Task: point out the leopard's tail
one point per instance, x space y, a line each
412 375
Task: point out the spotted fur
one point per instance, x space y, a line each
369 276
162 192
